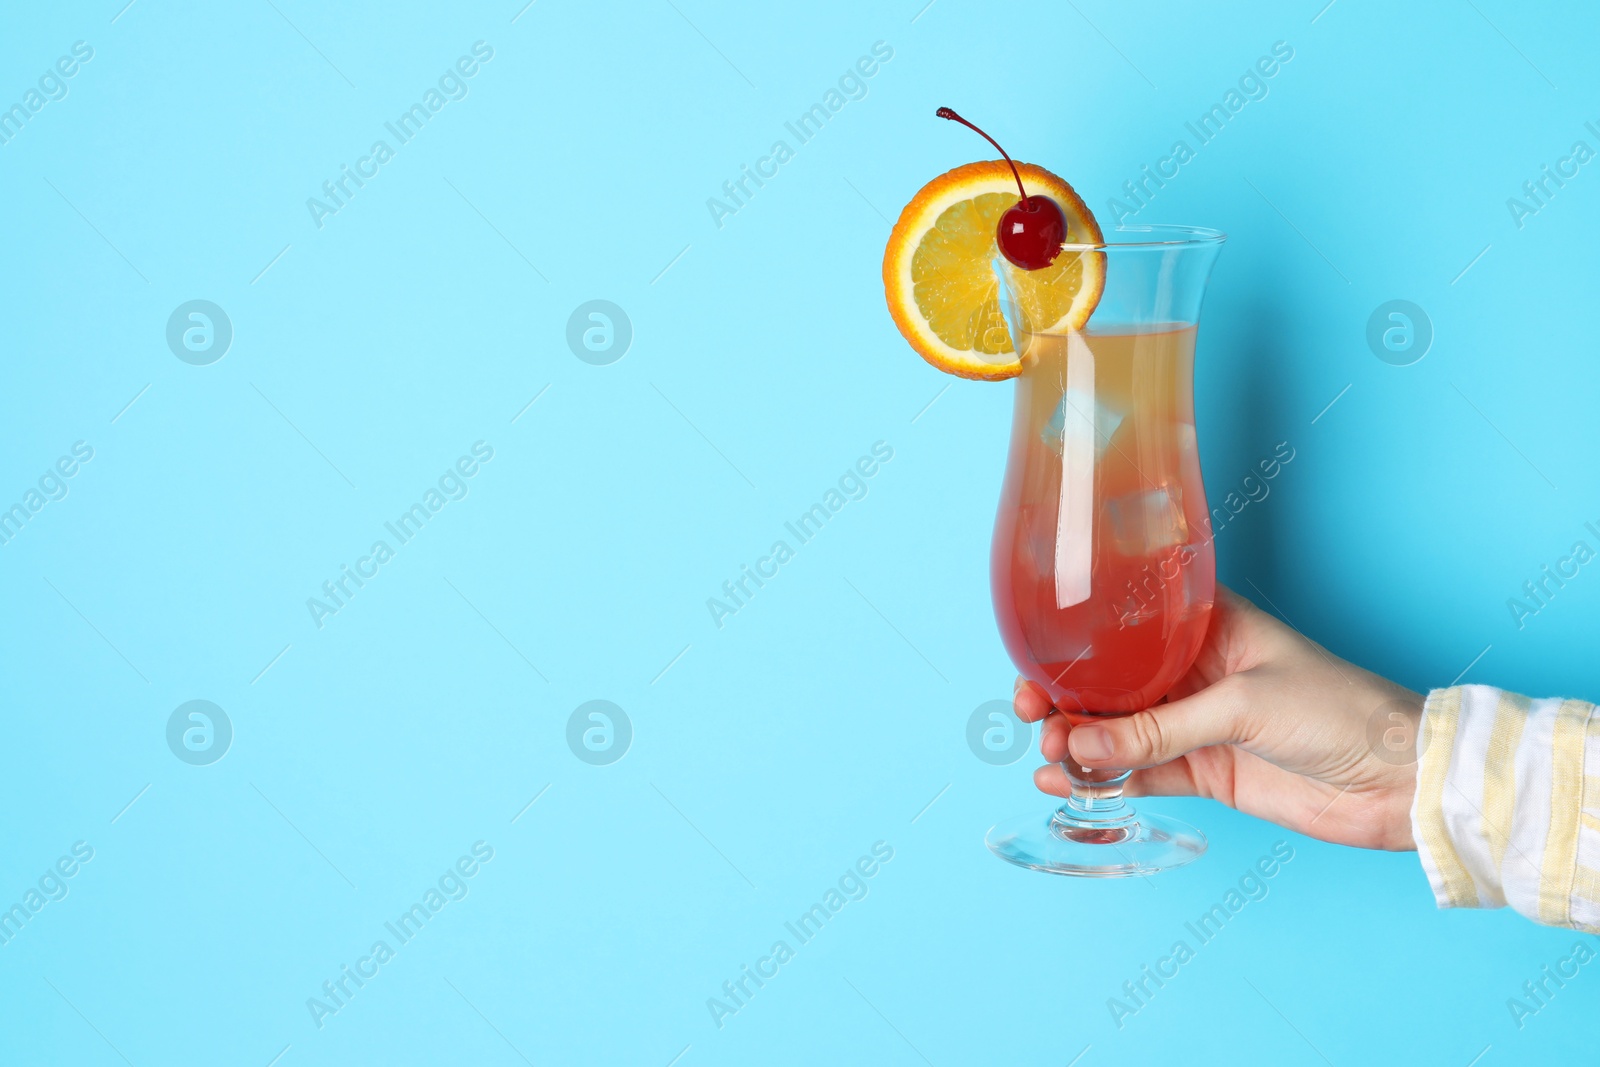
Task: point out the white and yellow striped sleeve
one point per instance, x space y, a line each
1507 809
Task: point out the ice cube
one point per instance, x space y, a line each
1147 521
1083 410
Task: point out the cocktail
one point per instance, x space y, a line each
1102 568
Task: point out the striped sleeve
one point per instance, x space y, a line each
1507 809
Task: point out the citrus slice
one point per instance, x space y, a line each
938 271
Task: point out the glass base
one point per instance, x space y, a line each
1060 842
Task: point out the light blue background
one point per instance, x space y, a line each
772 753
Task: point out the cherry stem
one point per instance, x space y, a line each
947 113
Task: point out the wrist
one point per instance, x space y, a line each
1400 835
1394 729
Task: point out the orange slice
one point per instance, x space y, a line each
938 271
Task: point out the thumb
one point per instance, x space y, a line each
1213 716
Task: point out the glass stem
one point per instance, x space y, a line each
1096 796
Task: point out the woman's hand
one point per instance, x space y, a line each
1266 721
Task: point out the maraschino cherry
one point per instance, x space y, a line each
1033 229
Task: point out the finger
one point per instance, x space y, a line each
1030 702
1170 780
1052 779
1214 716
1053 738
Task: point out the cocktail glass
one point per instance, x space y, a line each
1102 568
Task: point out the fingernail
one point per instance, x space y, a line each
1091 742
